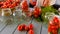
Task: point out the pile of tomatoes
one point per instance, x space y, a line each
24 5
9 3
29 28
36 12
54 26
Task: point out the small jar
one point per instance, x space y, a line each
6 12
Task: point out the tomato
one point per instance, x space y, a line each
37 11
8 5
11 6
18 1
54 27
4 6
49 29
26 28
56 20
54 31
31 32
24 5
14 4
10 0
5 3
31 26
1 4
23 25
20 28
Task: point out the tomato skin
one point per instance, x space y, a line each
56 20
26 28
23 25
49 28
25 6
4 6
20 28
31 26
31 32
36 12
54 31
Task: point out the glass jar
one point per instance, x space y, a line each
6 15
6 12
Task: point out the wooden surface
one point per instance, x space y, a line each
10 27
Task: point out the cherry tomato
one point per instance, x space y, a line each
31 32
54 31
18 1
37 11
56 20
20 28
11 6
23 25
24 5
31 26
26 28
49 29
4 6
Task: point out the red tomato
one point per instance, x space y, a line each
10 0
31 26
31 32
59 24
8 5
54 31
4 6
37 12
20 28
1 4
54 27
18 1
11 6
56 20
14 4
24 5
23 25
49 29
26 28
5 3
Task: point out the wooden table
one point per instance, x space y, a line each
10 26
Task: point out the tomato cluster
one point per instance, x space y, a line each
9 3
26 28
54 26
24 5
36 12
